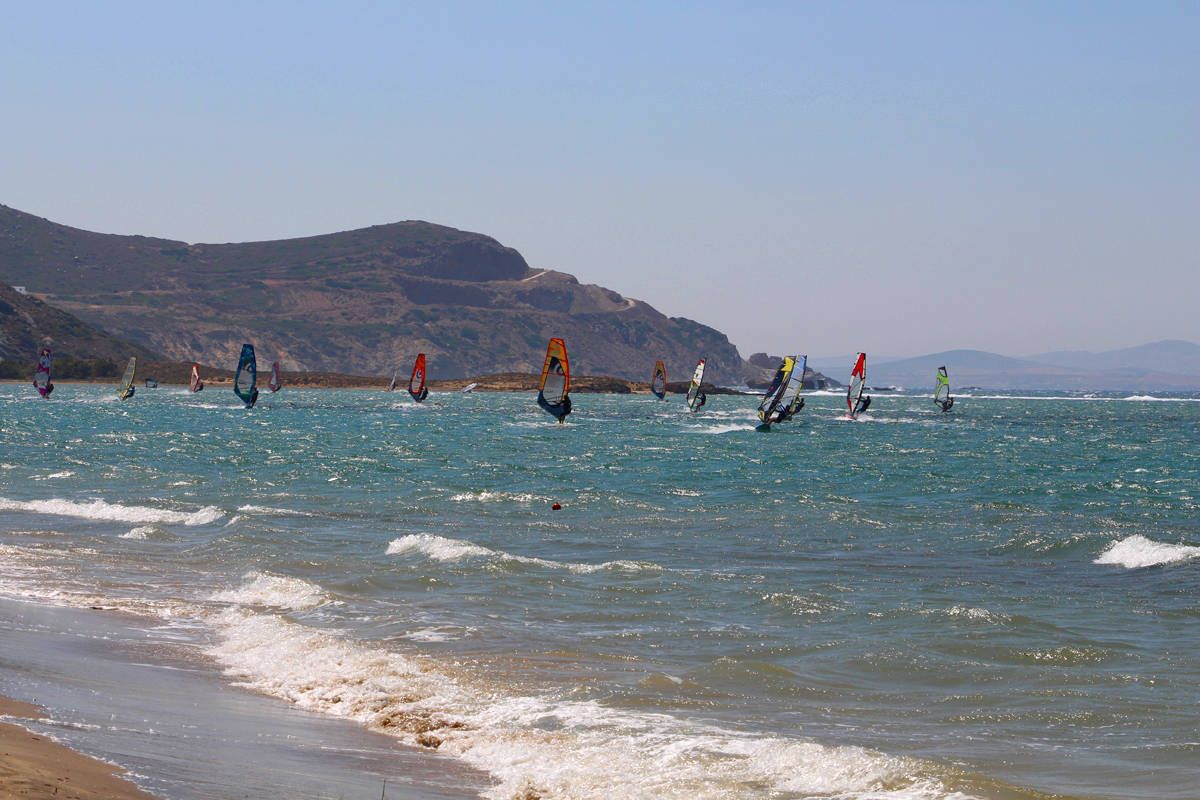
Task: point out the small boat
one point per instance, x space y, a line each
126 391
855 402
274 384
416 383
658 381
556 381
41 378
246 378
941 395
196 385
695 397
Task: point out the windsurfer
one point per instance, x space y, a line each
947 404
566 408
253 398
864 403
701 399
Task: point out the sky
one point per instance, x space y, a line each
891 177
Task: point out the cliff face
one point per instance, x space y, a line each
364 301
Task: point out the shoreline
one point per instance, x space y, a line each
33 766
508 382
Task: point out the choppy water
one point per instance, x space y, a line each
999 602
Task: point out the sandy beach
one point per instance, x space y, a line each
32 766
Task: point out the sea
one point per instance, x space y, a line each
344 594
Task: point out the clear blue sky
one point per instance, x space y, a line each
899 178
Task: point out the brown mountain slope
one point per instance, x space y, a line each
27 325
363 301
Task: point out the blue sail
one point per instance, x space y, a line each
246 378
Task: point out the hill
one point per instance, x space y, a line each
1169 356
992 371
362 301
27 325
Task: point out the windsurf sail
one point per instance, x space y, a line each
247 376
392 386
41 378
274 384
792 401
126 390
416 384
858 379
196 384
556 381
470 387
695 397
658 381
941 395
151 383
771 400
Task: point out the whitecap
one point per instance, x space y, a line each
1134 552
281 591
113 512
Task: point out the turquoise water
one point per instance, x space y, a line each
999 602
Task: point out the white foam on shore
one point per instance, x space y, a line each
543 746
441 548
1137 551
280 591
112 512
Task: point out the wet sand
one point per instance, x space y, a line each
32 766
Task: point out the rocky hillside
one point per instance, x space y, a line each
27 325
364 301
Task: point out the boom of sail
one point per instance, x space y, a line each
658 381
695 397
247 376
556 381
126 390
416 383
941 395
41 378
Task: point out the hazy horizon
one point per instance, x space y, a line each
910 178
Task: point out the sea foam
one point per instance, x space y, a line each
1137 551
112 512
547 747
280 591
441 548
